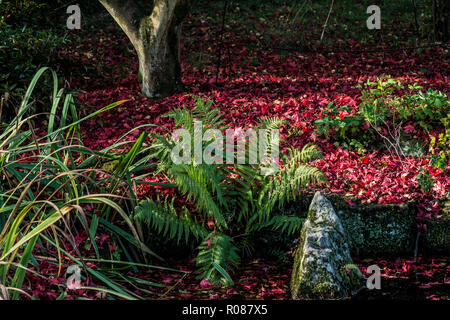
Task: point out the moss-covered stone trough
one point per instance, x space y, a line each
382 228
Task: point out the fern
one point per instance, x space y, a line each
307 154
271 123
161 149
288 224
236 197
294 177
183 117
202 112
163 218
217 254
201 183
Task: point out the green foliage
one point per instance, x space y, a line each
202 184
340 120
415 150
425 180
217 256
18 11
289 224
22 52
48 184
278 23
440 146
382 101
294 176
25 49
386 106
163 218
232 200
344 128
438 158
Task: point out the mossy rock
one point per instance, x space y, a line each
323 268
375 229
437 237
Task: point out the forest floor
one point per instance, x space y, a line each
246 83
253 82
401 279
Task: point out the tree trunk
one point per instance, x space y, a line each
155 38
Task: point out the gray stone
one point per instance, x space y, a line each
323 268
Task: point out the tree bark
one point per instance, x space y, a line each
155 37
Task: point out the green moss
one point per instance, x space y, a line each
374 229
295 280
370 228
139 77
437 237
380 228
321 273
145 30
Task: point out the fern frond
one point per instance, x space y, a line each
289 224
294 177
271 123
217 256
203 184
290 182
201 111
160 149
309 153
163 218
183 117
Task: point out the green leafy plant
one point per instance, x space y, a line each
344 128
440 146
23 51
388 100
386 106
49 189
339 119
231 201
425 180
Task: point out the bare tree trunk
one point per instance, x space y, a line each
155 38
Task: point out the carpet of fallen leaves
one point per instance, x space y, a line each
252 83
401 279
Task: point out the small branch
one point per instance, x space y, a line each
326 22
